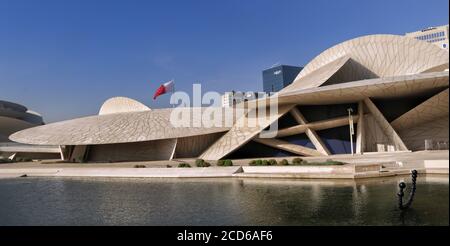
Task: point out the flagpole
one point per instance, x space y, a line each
173 90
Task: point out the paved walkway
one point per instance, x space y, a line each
413 159
359 166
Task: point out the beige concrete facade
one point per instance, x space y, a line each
13 118
120 105
366 72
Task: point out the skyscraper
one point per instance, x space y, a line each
276 78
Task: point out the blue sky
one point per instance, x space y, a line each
64 58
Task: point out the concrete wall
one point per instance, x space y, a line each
190 147
139 151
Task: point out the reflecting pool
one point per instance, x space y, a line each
227 201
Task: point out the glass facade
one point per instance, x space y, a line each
276 78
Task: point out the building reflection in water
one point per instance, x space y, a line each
222 201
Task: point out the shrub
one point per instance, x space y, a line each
168 166
199 162
258 163
333 162
202 163
325 163
321 163
283 162
225 163
297 161
184 164
273 162
228 163
139 166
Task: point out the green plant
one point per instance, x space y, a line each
325 163
225 163
168 166
228 163
199 162
139 166
273 162
262 162
202 163
255 163
297 161
184 164
328 162
283 162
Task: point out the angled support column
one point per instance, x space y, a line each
172 155
312 135
286 146
241 133
360 131
11 157
78 153
317 126
385 126
432 109
64 152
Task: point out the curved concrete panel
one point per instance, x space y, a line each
350 92
10 125
384 55
15 117
12 106
430 110
121 105
114 128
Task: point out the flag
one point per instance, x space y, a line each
163 89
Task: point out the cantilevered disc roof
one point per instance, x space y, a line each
382 55
114 128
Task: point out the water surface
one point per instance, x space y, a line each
69 201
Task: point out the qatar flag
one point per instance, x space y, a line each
163 89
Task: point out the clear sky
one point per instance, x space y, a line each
63 58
